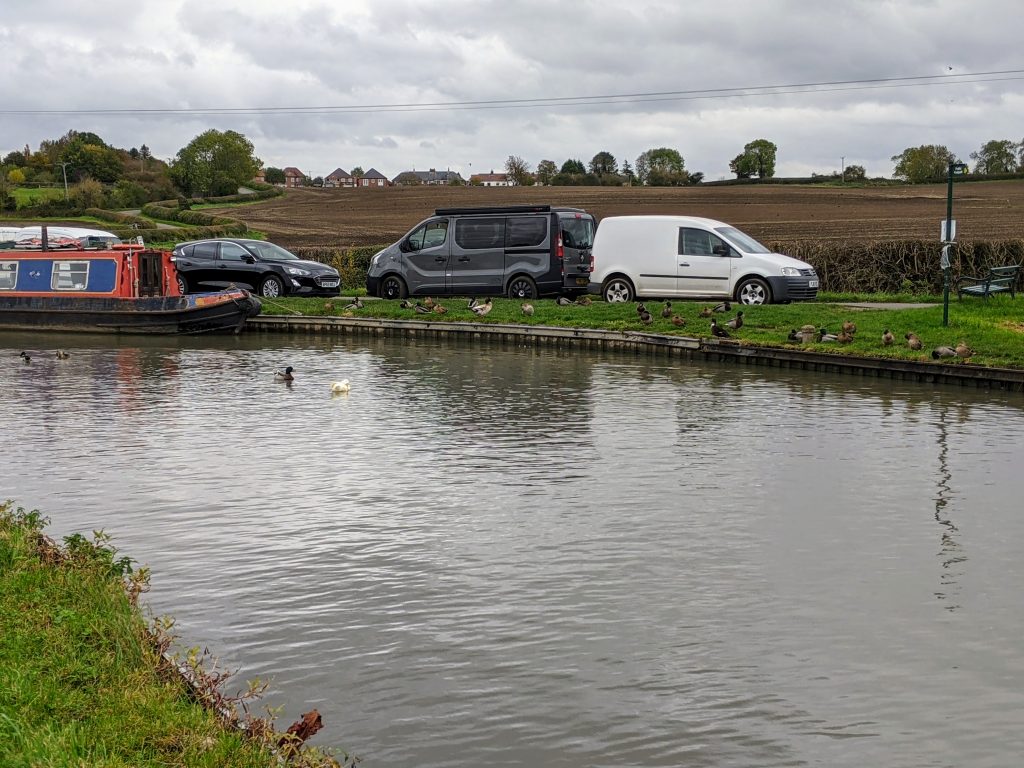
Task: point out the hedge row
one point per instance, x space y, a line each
352 263
180 234
897 266
198 218
117 217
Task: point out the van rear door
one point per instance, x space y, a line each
577 234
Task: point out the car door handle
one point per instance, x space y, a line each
684 263
464 258
441 259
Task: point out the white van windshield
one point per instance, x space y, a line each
745 242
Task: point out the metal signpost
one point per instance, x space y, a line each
948 238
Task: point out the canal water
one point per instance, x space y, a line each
505 556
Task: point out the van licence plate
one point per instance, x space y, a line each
582 281
812 283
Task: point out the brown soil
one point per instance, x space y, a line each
777 213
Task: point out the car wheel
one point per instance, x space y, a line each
617 290
753 290
522 287
271 287
393 287
182 284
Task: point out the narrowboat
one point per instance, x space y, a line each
120 288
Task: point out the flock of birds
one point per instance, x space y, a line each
26 358
342 387
809 333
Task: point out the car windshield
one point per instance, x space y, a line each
745 242
271 252
577 232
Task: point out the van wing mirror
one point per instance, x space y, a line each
722 250
405 246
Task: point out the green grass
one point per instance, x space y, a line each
78 683
25 196
993 328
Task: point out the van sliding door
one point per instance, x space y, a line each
478 256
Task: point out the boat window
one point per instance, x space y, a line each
70 275
232 252
8 275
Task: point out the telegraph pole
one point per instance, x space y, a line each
842 169
64 170
948 237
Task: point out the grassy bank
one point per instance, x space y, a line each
993 328
82 679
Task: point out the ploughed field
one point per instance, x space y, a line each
780 214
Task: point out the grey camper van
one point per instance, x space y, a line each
517 251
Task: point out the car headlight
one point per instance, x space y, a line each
297 271
790 272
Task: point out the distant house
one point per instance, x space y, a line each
427 177
259 178
372 178
293 177
491 179
339 178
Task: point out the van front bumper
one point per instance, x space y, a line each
793 288
372 285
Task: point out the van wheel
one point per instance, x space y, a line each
753 290
617 290
522 287
393 287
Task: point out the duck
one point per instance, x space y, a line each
795 336
825 336
25 357
646 317
62 355
912 341
678 321
667 311
737 322
356 303
527 309
725 306
844 337
640 309
482 309
563 301
285 375
849 327
421 309
340 387
329 307
406 304
887 338
940 352
706 312
472 302
440 309
584 301
962 350
717 330
428 302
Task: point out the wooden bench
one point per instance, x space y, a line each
997 280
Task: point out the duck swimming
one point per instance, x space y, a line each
340 387
26 357
285 375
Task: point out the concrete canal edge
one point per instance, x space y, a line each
720 350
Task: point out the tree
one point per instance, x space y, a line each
546 170
318 181
518 170
214 163
273 175
573 167
661 167
15 158
757 159
604 163
88 194
16 176
87 156
357 172
854 173
627 172
925 163
996 156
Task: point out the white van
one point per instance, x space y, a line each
685 256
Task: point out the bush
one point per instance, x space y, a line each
88 193
352 263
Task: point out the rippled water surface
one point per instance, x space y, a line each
509 557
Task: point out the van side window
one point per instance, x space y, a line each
698 242
430 235
525 230
480 234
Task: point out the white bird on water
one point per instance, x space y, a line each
340 387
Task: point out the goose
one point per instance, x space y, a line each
940 352
527 310
285 375
912 341
725 306
667 311
62 355
737 322
887 338
646 317
340 387
563 301
962 350
356 303
825 336
678 321
706 312
844 337
482 309
584 301
849 327
717 330
26 357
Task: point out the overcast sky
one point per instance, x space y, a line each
239 54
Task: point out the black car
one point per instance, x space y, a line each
267 269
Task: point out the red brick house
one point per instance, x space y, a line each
372 178
293 177
339 178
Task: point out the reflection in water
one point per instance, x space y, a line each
503 555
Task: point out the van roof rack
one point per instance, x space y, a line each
501 209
